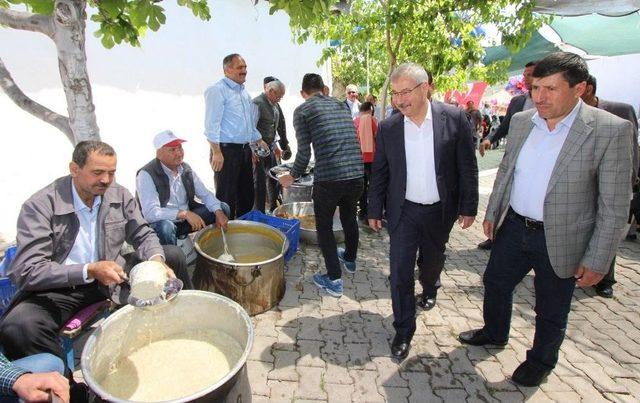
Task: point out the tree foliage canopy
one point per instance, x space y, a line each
441 35
120 20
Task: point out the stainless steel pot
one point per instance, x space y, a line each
297 193
257 286
129 328
310 235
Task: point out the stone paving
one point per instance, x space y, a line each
313 347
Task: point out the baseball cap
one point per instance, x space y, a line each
269 79
166 139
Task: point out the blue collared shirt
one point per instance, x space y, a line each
150 202
85 247
535 164
230 116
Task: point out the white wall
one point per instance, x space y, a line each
617 78
141 91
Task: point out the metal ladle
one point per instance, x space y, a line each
226 256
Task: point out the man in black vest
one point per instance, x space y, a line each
167 188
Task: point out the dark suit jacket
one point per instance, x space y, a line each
455 160
266 122
516 105
624 111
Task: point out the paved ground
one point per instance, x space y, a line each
315 347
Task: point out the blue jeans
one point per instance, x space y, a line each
169 231
37 363
515 251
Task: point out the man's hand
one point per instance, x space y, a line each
196 222
221 220
375 224
286 180
487 226
466 221
106 272
217 160
277 152
158 258
585 277
484 145
36 387
262 144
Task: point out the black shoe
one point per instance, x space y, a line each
529 375
426 303
400 347
478 337
485 245
604 290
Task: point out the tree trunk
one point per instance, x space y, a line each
69 20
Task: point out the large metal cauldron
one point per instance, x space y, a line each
301 190
309 235
130 328
257 286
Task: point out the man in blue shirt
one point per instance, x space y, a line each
33 378
230 127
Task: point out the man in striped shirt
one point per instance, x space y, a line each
338 175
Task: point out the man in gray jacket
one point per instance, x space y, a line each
271 125
70 236
559 206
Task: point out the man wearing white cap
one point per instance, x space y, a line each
167 189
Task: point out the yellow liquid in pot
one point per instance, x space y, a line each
173 368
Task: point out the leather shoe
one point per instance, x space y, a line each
529 375
485 245
400 347
478 337
604 290
426 303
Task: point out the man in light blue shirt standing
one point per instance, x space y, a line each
167 189
230 127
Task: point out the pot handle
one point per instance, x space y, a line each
256 271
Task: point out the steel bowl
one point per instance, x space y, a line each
309 235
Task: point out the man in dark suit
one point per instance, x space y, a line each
625 111
518 104
424 176
270 125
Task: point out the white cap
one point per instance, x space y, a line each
166 138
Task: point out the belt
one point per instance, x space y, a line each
530 223
423 205
234 145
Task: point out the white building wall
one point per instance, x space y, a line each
141 91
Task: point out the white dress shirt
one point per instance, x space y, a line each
535 163
150 202
85 246
421 167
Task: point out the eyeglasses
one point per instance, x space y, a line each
404 93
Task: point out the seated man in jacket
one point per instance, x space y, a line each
167 189
70 236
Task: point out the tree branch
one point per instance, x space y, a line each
31 106
26 21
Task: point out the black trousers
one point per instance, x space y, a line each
515 251
362 203
420 226
326 197
33 321
234 183
265 188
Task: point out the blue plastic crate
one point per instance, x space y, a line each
290 227
7 291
